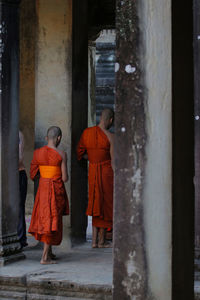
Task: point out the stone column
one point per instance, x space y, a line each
197 123
79 118
9 137
143 202
129 277
154 152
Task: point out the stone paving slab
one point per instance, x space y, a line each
80 273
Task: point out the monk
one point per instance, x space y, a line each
51 201
96 145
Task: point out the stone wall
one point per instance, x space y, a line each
53 92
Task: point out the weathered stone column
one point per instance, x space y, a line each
197 122
129 276
9 137
79 118
143 202
154 190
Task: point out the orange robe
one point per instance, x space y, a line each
51 201
95 143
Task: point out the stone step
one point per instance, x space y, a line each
19 296
29 288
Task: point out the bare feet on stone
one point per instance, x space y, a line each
47 255
48 262
105 245
94 237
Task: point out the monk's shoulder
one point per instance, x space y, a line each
36 154
40 150
36 151
88 132
89 129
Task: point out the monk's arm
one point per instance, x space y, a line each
34 167
81 149
111 138
64 168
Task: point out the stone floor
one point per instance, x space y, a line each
82 273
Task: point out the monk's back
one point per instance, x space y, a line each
97 144
47 156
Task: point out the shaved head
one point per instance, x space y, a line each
107 114
54 132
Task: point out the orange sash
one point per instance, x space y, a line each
50 171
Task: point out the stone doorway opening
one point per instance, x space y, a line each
101 85
85 96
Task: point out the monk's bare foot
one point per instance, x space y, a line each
94 246
105 245
48 262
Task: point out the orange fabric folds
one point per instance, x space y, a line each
51 201
100 176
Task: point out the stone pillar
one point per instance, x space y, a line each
53 93
79 118
154 152
197 122
9 137
143 140
129 278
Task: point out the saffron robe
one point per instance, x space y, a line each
51 201
95 143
